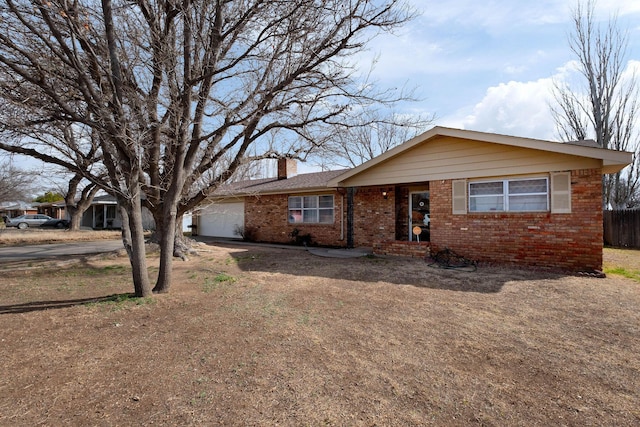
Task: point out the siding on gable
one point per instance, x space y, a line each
454 158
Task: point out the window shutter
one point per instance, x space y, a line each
459 197
561 192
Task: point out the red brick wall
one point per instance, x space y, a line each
402 248
558 241
374 216
267 216
565 241
374 219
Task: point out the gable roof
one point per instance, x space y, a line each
16 206
104 199
611 160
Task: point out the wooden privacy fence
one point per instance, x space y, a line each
622 228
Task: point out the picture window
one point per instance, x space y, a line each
311 209
509 195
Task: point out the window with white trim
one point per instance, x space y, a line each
311 209
509 195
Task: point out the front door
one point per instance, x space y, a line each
111 216
98 216
419 216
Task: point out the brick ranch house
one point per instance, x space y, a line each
488 197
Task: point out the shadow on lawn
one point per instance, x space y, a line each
396 270
48 305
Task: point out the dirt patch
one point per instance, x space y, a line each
266 336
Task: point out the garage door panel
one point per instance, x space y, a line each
221 219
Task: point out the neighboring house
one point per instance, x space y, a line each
488 197
53 209
103 214
14 209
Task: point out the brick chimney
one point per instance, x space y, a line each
287 168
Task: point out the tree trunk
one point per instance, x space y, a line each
133 240
76 220
167 239
181 245
74 214
75 208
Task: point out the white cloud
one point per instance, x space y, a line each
632 70
621 7
515 108
522 108
512 108
496 17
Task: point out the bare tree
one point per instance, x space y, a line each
605 107
78 192
15 184
369 134
78 198
168 89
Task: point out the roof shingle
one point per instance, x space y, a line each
307 181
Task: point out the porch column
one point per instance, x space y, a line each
351 191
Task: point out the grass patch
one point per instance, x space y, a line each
212 283
108 270
114 269
621 271
34 236
121 301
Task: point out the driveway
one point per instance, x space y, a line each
28 252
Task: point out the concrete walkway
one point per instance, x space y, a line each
340 253
314 250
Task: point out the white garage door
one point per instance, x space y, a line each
221 219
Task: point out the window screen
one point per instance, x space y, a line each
514 195
311 209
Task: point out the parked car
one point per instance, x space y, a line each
57 223
30 220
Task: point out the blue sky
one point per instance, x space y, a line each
489 65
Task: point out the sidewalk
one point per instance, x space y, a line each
314 250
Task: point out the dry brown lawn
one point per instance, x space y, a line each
12 236
259 336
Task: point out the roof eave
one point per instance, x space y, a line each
616 165
239 195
